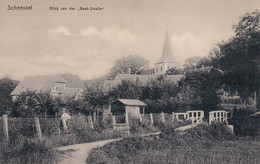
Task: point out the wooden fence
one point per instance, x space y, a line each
47 126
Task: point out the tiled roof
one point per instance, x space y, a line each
131 102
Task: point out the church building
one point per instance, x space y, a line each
166 61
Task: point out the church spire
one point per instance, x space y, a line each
167 55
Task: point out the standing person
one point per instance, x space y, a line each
65 117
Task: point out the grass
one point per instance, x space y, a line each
203 144
24 147
27 150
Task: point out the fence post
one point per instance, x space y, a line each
151 118
162 117
5 123
140 117
90 122
126 118
210 117
113 120
173 116
38 127
45 115
94 117
56 116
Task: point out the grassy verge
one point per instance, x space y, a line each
203 144
27 150
24 147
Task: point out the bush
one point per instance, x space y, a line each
79 131
201 144
137 127
27 151
242 123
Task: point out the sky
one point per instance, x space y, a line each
86 43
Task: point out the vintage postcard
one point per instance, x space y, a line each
129 81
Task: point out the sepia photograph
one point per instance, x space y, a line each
131 82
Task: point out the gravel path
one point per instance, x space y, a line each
78 154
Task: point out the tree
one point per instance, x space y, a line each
76 106
126 90
191 63
129 64
187 99
241 57
202 87
159 94
212 58
96 98
174 71
25 104
7 85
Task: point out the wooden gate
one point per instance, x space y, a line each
218 116
195 116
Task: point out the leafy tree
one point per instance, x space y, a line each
186 99
76 106
45 103
96 98
158 88
174 71
241 57
7 85
127 90
159 95
191 63
212 58
132 63
26 105
203 86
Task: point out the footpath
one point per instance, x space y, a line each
79 153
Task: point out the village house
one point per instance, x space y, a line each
64 86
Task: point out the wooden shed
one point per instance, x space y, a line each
130 106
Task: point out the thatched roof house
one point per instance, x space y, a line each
62 85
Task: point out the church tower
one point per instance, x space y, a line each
166 61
